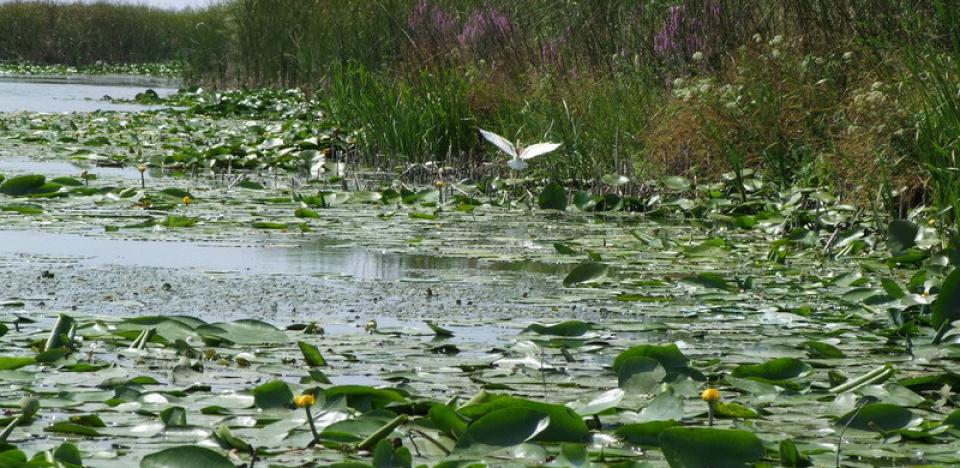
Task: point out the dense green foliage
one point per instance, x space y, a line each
79 34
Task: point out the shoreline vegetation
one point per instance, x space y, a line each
691 232
860 99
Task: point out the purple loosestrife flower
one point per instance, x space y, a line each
684 33
550 51
431 20
483 25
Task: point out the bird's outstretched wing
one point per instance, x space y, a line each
533 151
500 142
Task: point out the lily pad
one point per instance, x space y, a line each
503 428
585 273
187 456
273 394
878 417
701 447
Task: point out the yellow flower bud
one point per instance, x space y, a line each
305 400
141 168
187 200
710 395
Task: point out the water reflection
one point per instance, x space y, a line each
63 168
55 96
20 247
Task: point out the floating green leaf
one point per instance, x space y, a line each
569 328
564 424
503 428
553 197
585 273
311 354
901 236
647 433
186 456
701 447
773 370
273 394
22 185
946 309
878 417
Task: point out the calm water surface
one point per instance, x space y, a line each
74 94
23 246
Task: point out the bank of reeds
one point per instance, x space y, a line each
81 34
816 91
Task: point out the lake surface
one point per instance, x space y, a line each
18 165
75 94
307 258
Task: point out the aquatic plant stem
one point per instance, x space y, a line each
433 441
9 429
313 428
844 430
382 433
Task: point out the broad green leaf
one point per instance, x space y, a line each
229 441
273 394
448 420
553 197
606 401
311 354
734 410
639 374
22 185
503 428
68 453
186 456
564 424
821 350
364 398
569 328
953 419
585 201
878 417
901 236
773 370
174 416
791 457
64 427
669 356
946 309
710 280
647 433
615 180
438 330
246 332
701 447
386 456
585 273
11 363
677 183
173 221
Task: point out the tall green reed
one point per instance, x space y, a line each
938 132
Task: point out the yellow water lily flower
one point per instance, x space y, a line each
710 395
187 200
304 401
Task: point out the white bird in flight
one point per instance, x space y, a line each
519 155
